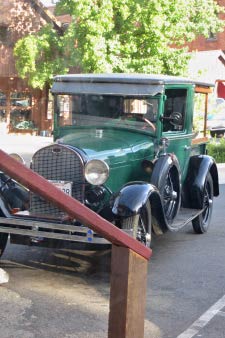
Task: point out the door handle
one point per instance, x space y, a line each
187 148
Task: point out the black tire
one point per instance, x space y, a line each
3 242
167 179
201 223
144 224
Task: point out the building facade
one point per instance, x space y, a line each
22 109
208 58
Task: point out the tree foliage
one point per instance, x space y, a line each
118 36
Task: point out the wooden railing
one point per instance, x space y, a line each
129 262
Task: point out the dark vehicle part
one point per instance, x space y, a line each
139 225
58 163
217 133
201 222
132 197
14 197
166 177
199 167
125 148
3 242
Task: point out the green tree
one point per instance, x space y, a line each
118 36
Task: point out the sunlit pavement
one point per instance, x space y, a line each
25 145
221 169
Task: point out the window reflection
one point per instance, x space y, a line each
21 99
2 107
99 110
20 114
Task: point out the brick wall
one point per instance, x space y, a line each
18 18
217 43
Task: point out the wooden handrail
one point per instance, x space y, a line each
72 207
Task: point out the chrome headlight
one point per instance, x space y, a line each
96 172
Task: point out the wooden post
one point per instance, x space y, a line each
127 294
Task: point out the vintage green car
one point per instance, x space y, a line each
125 146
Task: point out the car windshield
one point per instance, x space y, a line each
107 110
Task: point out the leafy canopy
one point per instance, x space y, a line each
117 36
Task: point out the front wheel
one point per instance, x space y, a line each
201 223
167 179
139 225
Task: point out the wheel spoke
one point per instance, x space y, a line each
170 197
201 222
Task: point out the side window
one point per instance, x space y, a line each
175 109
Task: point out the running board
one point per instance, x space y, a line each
184 217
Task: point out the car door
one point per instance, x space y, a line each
175 123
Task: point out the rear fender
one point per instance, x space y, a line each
133 196
199 167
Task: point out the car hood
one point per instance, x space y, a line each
111 145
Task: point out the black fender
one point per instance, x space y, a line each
133 196
199 167
161 167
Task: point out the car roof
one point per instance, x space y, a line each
153 79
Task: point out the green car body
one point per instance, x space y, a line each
125 146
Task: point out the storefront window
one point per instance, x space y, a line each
2 99
2 107
20 115
20 99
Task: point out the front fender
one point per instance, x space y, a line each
133 196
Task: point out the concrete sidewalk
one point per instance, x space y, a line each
13 141
221 170
24 145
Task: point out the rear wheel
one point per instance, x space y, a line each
201 222
139 225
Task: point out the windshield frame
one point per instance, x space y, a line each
132 120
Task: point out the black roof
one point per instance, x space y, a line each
153 79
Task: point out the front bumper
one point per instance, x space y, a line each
49 230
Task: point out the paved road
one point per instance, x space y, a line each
65 293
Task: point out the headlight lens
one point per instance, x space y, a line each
96 172
18 158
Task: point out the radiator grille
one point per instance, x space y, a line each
57 163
